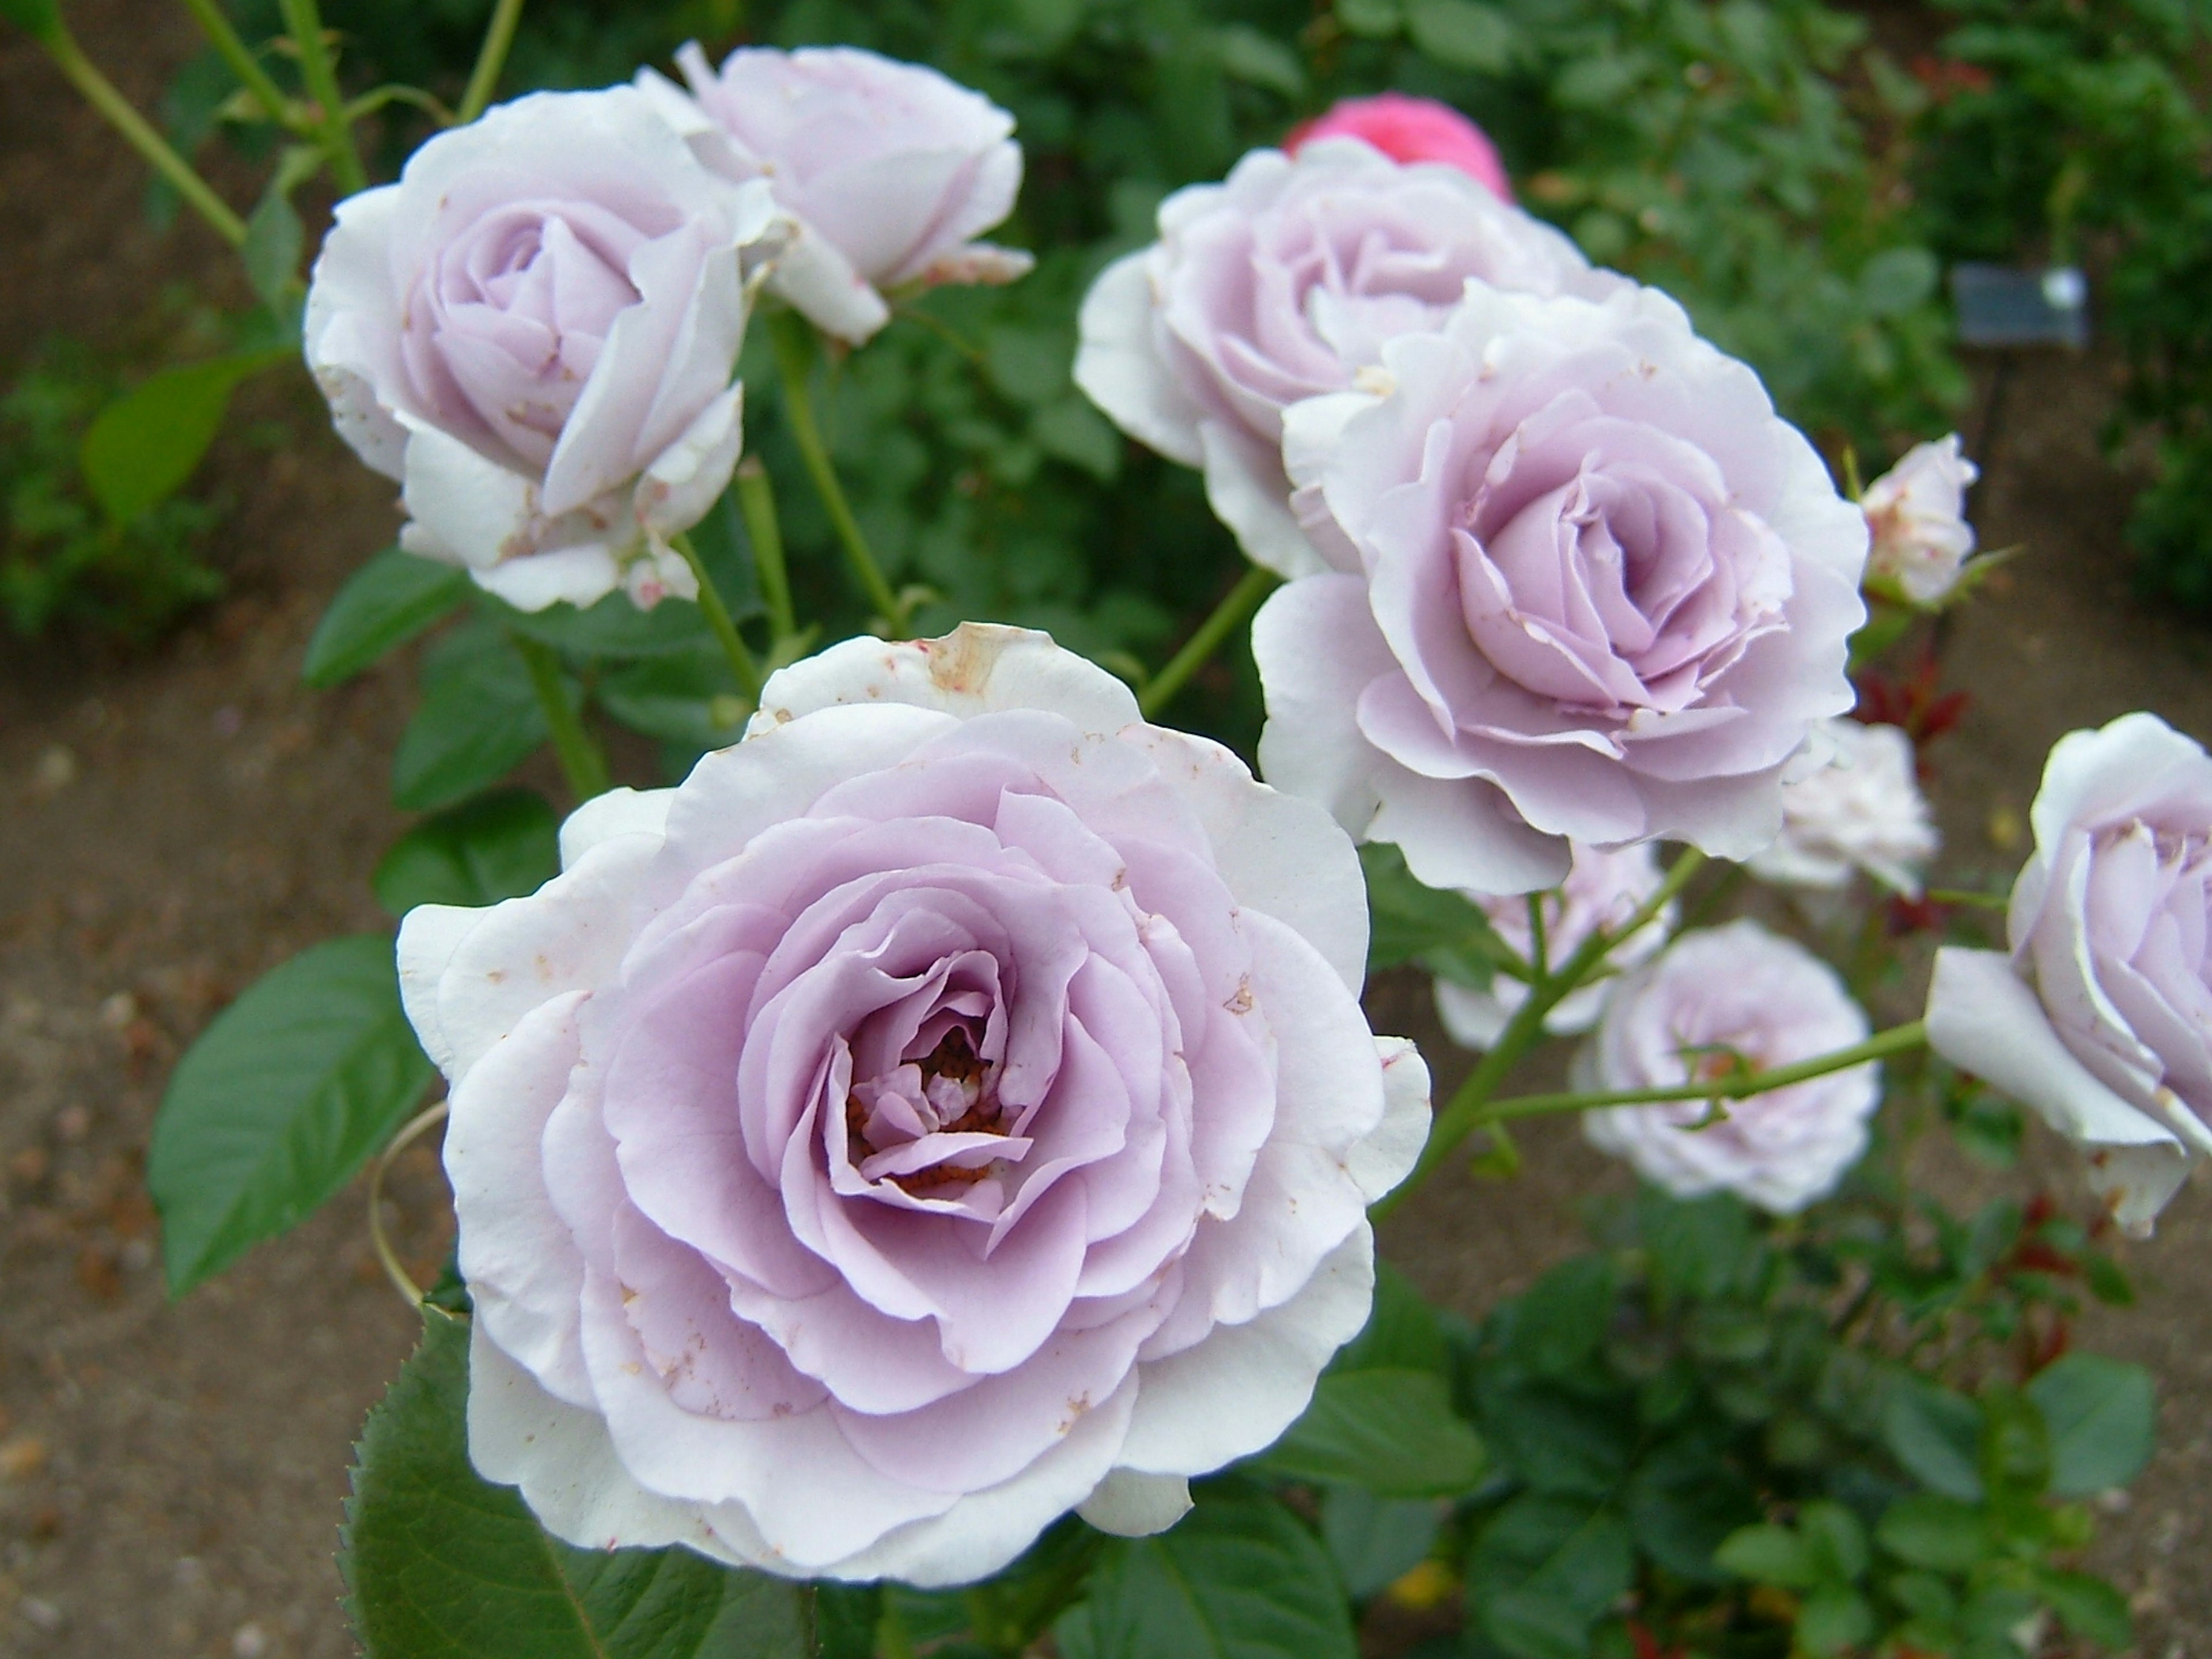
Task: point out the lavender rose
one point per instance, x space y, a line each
1917 512
534 330
1592 588
1602 890
950 1106
1282 283
888 170
1860 809
1717 1000
2100 1015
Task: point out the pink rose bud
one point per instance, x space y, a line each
2099 1017
534 332
948 1108
1284 281
889 171
1410 130
1719 1000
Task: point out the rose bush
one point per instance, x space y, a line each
888 171
2100 1016
1602 891
1860 809
1587 584
1720 1001
534 332
1283 282
950 1106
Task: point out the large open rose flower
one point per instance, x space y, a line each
1592 587
1283 282
1602 890
950 1106
535 331
888 171
1718 1000
2099 1017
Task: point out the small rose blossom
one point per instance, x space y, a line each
1917 515
2100 1015
1282 283
534 330
948 1108
888 171
1588 585
1860 809
1410 130
1602 890
1719 1000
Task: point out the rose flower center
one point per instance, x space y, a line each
937 1107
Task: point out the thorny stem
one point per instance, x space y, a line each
491 57
243 63
719 621
304 21
1237 604
756 501
100 92
1468 1110
1898 1039
794 357
581 764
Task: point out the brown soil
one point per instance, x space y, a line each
173 823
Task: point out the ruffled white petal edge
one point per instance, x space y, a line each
1130 1504
979 668
1118 364
1984 1018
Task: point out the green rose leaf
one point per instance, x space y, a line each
496 847
1375 1541
1239 1577
1833 1618
139 450
1768 1554
1410 922
282 1099
1461 34
2103 1417
477 720
1543 1572
1935 1432
385 604
440 1562
1391 1432
1941 1533
2092 1609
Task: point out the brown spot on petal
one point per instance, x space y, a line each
962 660
1241 1002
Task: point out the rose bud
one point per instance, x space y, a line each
1587 584
948 1108
534 330
1410 130
1282 283
1860 808
1718 1002
889 171
2100 1016
1602 890
1917 513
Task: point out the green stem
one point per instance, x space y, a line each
243 63
581 763
1237 604
1540 946
100 92
757 500
1898 1039
491 57
304 21
719 621
794 361
1464 1112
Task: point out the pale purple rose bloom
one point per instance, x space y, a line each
949 1107
1860 809
1719 999
1602 890
1917 513
888 171
2100 1015
535 332
1588 586
1282 283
